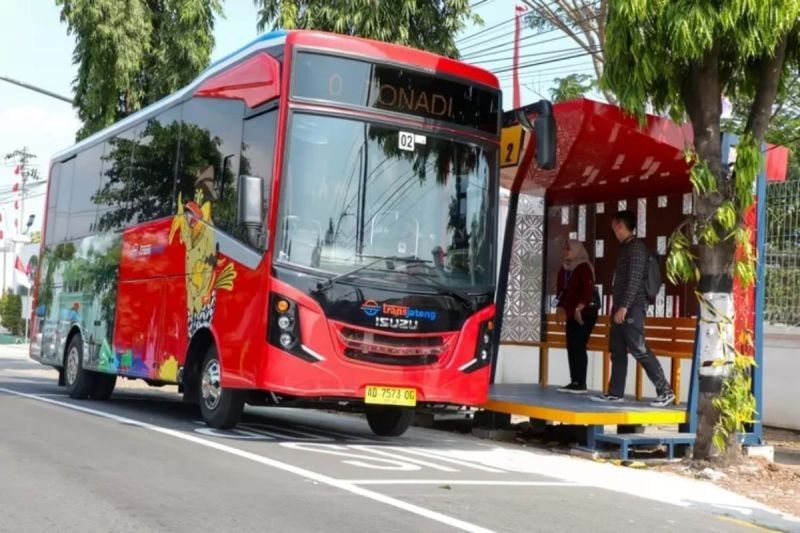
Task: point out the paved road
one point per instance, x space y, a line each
144 462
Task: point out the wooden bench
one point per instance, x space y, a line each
667 337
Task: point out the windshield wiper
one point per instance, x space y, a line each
328 283
465 300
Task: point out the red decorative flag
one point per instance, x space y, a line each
20 274
16 170
16 204
15 188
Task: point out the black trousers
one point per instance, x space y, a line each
577 337
629 337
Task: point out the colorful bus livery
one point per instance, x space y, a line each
310 222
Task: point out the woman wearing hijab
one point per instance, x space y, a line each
576 303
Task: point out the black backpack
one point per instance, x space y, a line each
652 276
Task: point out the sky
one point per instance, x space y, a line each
35 48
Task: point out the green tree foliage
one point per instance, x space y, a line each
426 24
571 87
680 56
131 53
783 204
11 313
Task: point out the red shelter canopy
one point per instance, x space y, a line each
605 154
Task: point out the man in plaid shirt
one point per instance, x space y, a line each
629 310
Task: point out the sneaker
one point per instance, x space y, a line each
664 400
573 388
607 398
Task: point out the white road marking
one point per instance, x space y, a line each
461 482
285 433
278 465
433 455
377 451
355 459
238 434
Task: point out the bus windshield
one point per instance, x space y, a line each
354 192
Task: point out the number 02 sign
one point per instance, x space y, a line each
405 141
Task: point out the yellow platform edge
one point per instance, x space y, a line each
583 418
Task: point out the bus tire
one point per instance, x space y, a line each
78 381
103 386
221 408
388 421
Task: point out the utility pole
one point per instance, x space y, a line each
37 89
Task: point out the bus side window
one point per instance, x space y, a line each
85 184
211 138
113 212
60 221
258 150
52 198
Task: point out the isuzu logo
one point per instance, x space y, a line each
396 323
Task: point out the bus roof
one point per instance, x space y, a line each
277 37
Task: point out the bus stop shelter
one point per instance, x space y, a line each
607 160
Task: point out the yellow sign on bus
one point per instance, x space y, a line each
511 145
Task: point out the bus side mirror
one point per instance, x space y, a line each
251 208
544 126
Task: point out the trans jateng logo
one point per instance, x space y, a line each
399 316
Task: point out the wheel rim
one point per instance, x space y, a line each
209 386
73 361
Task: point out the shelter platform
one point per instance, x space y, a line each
546 403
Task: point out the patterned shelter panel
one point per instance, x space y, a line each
522 315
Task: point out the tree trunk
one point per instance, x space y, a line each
702 97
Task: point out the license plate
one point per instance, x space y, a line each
390 396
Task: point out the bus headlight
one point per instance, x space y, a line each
284 323
286 340
483 348
284 328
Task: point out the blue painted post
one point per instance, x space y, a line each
694 388
755 436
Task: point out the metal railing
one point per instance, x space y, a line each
782 254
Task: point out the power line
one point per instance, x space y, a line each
36 89
483 31
560 69
536 54
547 75
547 61
487 30
507 47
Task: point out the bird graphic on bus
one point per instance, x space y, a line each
206 272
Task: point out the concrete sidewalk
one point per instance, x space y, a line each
14 351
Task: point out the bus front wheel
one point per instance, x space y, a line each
387 421
221 408
78 381
103 386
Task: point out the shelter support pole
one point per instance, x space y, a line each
756 433
690 426
502 281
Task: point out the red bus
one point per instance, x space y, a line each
311 222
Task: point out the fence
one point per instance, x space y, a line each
782 254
